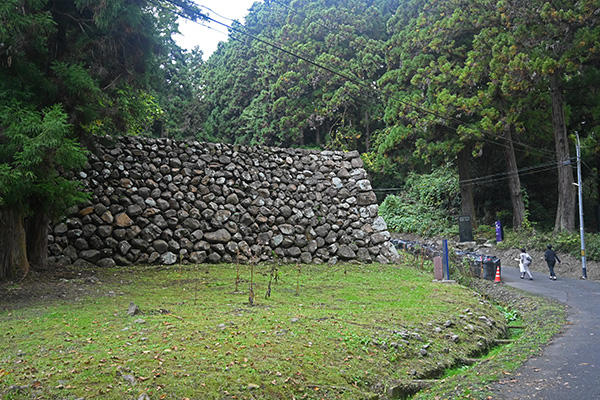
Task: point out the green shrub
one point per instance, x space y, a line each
486 232
592 244
571 243
428 205
412 217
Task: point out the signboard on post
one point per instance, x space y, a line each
465 230
438 268
499 232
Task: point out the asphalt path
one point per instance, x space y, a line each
569 367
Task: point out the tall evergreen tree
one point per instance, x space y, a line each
480 68
258 94
428 56
68 69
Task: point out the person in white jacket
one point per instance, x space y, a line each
524 263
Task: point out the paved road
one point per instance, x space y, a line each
568 368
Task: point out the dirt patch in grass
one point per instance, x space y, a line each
59 283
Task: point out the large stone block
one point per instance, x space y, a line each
219 236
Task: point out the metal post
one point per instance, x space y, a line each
581 232
446 259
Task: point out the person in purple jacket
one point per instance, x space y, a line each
551 258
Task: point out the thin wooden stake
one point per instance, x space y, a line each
298 281
251 293
237 271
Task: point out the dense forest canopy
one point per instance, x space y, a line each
491 90
497 88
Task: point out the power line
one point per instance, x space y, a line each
541 152
356 81
326 68
520 175
218 31
492 178
216 13
191 14
505 175
587 166
481 180
531 149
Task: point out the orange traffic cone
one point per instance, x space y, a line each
498 279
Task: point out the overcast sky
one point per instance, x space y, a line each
193 34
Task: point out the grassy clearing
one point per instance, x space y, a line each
325 332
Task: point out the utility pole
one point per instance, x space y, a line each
580 190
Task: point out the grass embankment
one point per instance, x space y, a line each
540 318
325 332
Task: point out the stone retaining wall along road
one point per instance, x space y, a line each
161 201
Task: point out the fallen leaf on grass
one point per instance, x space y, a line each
64 387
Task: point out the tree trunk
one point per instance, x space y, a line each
13 252
367 134
163 131
514 182
565 213
37 240
466 190
318 135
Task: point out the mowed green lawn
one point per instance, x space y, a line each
325 332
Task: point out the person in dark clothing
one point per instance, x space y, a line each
551 258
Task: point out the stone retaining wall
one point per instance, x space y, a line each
161 201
